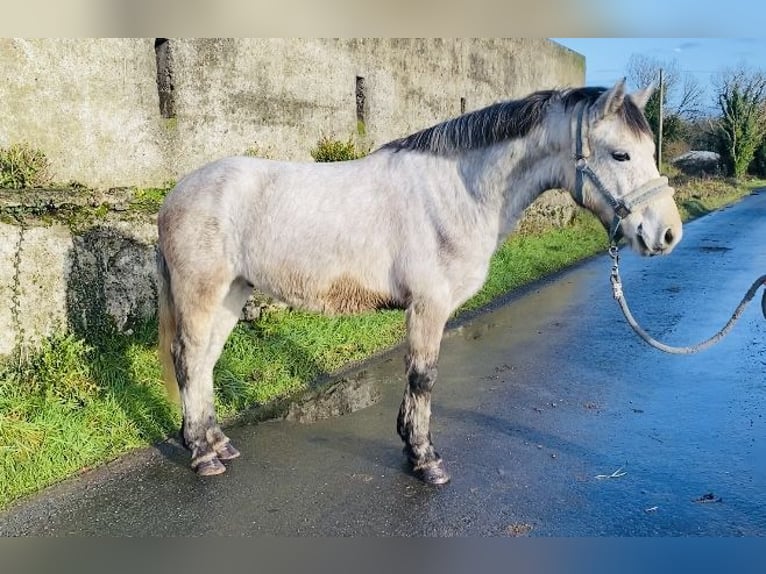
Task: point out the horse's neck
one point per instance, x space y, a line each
513 175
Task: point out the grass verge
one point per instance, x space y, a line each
76 404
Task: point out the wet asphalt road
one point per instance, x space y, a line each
536 402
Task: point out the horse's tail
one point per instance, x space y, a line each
167 328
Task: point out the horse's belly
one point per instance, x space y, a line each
344 294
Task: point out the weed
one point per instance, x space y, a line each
23 166
330 149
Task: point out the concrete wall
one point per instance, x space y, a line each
92 105
285 94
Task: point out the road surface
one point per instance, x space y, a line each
553 418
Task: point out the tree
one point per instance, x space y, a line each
758 165
682 94
741 128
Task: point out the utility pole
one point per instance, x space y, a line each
659 135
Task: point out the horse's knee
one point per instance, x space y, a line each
421 381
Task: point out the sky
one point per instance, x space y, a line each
606 59
665 18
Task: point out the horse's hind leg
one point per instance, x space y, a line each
205 318
226 318
425 325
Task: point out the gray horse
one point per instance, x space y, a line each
412 225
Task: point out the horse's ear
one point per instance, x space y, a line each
641 97
610 101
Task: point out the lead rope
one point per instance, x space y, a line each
620 298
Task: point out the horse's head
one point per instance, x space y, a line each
615 175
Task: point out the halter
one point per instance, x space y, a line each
622 206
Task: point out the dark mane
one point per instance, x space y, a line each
507 120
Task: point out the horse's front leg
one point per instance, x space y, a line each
425 325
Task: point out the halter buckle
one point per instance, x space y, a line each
621 210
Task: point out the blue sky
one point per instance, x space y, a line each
606 58
701 18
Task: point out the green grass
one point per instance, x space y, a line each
285 350
73 406
78 403
696 197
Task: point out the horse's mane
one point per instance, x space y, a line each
507 120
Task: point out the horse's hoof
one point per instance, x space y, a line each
210 467
227 452
433 473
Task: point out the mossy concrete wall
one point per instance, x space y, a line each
54 279
93 105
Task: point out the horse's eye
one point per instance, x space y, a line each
621 155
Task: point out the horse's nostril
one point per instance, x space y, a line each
669 236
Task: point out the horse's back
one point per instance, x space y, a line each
230 184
